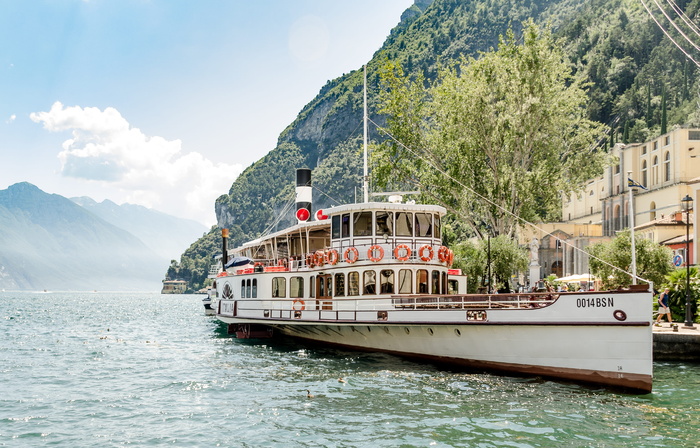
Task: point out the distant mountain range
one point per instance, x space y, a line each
49 242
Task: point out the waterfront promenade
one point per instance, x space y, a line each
680 345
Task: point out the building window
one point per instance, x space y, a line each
656 146
667 140
644 173
652 211
667 166
655 171
644 149
693 135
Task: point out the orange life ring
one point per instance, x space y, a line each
442 254
450 257
298 305
310 260
423 256
222 274
372 249
332 257
320 258
405 249
348 251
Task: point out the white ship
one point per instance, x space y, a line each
376 276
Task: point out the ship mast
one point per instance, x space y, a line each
365 183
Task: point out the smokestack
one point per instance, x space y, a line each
304 195
224 248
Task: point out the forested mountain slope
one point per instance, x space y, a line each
635 73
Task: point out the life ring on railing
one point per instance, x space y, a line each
422 254
406 250
332 257
320 258
310 260
298 305
222 274
442 254
372 249
450 257
355 255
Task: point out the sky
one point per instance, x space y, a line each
163 103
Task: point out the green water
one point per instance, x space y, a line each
98 369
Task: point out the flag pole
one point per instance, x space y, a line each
633 265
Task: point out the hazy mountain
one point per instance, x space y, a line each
49 242
166 235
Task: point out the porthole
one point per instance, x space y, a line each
369 329
457 332
430 331
407 330
386 330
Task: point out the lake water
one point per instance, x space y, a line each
127 369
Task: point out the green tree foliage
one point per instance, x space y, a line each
507 258
196 260
653 261
501 127
676 282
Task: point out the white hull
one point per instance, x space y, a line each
598 338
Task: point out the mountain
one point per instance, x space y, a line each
49 242
166 235
639 83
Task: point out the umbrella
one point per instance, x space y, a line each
238 261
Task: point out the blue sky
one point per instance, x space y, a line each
163 102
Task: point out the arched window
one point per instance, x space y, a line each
655 171
616 218
644 174
652 211
667 166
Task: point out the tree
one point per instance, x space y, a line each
676 282
507 258
611 261
492 139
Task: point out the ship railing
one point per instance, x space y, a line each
481 301
214 269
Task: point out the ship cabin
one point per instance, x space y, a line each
354 252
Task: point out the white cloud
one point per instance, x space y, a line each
12 118
149 171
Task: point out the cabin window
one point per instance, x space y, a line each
296 287
369 282
243 289
362 226
248 290
424 225
444 283
422 281
452 286
312 286
335 227
437 233
405 281
385 224
353 284
255 288
279 287
345 226
339 284
404 224
387 281
435 283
